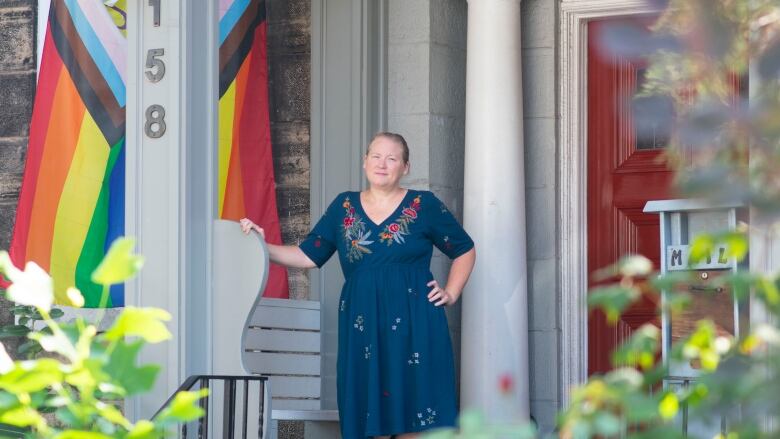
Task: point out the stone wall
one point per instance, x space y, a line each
289 65
289 61
427 104
17 88
539 34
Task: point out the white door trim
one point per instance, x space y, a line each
573 178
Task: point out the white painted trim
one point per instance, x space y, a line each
133 160
40 31
573 178
317 201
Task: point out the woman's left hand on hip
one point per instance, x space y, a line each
439 295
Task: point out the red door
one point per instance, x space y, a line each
624 172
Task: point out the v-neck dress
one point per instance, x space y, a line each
395 367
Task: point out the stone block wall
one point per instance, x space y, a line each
289 83
427 104
539 36
289 63
17 89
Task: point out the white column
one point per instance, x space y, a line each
495 311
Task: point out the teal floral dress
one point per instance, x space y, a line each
395 361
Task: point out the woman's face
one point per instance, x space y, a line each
384 163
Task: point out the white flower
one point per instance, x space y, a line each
6 363
33 286
769 334
722 345
636 265
75 297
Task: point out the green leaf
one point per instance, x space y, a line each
184 407
56 313
741 283
7 400
736 245
677 302
29 377
113 415
142 322
701 247
612 299
81 434
119 265
471 421
67 417
27 347
640 407
22 417
440 433
668 406
655 432
640 349
58 343
143 429
606 424
21 310
121 367
14 331
672 280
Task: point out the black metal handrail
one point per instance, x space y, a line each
229 403
685 382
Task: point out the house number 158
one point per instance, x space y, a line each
155 114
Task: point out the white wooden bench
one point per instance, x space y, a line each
283 343
280 338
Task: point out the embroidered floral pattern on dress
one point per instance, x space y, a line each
395 325
355 233
414 359
367 352
395 231
358 323
426 417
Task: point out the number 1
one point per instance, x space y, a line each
156 5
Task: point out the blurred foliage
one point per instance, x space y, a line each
88 374
724 145
27 320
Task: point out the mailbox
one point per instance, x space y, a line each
680 221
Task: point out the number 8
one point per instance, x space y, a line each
152 119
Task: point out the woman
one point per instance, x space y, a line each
395 363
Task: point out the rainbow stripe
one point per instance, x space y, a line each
71 204
246 174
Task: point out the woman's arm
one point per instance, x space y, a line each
459 275
290 256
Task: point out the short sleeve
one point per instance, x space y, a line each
445 231
322 241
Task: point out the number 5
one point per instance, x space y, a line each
153 61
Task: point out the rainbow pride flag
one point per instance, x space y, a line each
246 174
71 205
